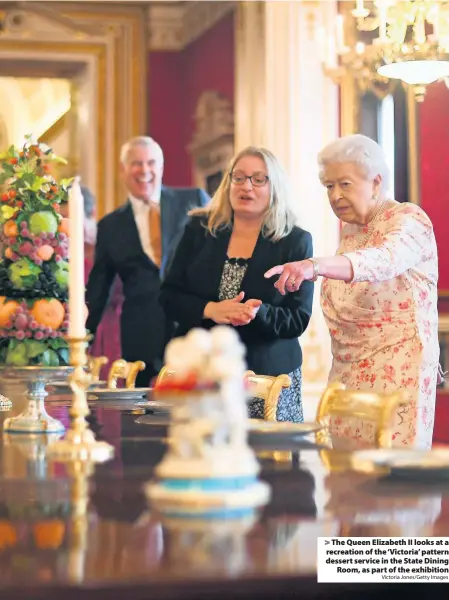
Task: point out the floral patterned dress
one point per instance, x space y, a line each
384 324
290 404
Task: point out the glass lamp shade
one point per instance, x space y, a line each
416 72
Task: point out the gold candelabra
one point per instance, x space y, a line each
389 40
79 442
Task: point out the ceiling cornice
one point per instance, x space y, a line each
174 25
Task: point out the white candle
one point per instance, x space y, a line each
383 10
76 262
321 42
340 24
360 6
331 52
436 24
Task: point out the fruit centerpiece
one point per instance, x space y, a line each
34 265
34 270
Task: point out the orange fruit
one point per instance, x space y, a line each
49 534
49 313
37 151
45 252
9 253
10 228
7 309
64 226
8 534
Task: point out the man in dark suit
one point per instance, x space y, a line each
136 242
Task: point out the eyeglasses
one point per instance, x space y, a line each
256 180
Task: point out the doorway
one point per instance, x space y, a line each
100 52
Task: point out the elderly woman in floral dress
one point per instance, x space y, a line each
379 293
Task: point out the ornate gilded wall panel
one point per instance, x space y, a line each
103 51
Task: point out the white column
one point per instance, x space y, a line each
250 113
297 114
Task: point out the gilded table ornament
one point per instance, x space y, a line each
80 442
121 369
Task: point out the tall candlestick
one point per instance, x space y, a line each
76 262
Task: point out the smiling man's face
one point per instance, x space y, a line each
142 172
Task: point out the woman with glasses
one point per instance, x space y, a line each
216 276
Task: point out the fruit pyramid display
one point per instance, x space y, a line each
34 268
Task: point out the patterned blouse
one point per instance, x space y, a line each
290 404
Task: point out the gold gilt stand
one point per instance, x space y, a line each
79 442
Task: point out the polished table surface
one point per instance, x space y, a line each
127 549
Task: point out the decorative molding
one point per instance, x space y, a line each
212 146
103 48
18 18
54 130
165 26
201 16
175 25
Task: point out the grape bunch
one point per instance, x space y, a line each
23 324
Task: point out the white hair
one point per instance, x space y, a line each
360 150
141 140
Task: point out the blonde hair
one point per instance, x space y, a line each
279 219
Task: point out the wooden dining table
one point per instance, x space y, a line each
56 543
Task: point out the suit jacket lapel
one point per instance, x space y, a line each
131 241
216 257
256 266
210 260
214 254
166 221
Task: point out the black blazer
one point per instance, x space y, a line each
144 327
193 280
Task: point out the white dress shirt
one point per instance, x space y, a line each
141 211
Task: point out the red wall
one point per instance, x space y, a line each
434 162
176 81
166 119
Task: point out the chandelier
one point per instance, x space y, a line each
396 40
